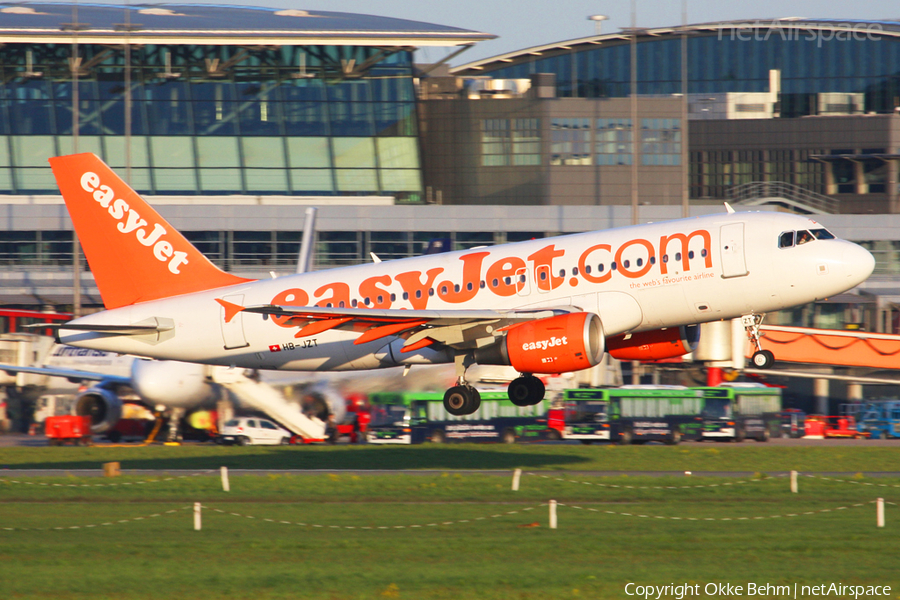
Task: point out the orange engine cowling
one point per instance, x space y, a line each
658 344
569 342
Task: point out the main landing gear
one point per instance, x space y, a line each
527 390
761 359
462 399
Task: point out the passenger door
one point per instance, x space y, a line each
731 248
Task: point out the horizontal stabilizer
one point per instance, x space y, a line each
120 329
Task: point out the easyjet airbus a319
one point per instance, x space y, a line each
542 306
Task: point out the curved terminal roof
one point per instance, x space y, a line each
56 22
799 27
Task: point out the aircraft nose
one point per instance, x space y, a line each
858 262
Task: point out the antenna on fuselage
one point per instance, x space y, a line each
728 208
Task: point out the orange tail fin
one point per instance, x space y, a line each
135 255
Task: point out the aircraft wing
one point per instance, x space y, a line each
455 328
73 375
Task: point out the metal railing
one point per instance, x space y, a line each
790 196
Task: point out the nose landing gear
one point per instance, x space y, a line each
762 359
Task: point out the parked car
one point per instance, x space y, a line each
253 430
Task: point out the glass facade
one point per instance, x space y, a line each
254 250
731 62
317 120
506 142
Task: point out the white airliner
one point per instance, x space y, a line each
542 306
173 388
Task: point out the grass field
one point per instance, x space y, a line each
749 456
441 536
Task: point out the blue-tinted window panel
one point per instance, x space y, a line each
33 150
266 180
398 152
38 180
172 151
263 153
312 181
175 181
218 152
168 108
115 151
401 180
309 152
393 119
88 108
357 180
220 180
260 112
215 118
354 152
349 109
113 108
31 108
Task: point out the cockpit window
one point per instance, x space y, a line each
804 237
789 238
786 239
822 234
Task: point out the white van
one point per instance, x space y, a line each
253 430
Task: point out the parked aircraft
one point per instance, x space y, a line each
173 388
542 306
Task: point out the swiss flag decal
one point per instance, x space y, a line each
274 348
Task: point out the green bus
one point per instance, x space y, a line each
415 417
668 413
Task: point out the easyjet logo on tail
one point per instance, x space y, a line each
131 222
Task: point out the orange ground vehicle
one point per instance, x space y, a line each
68 429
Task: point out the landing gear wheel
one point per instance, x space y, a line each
462 400
525 391
537 389
518 391
763 359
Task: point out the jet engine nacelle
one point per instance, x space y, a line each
658 344
102 405
559 344
172 384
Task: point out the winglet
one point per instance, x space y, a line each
728 208
135 255
231 309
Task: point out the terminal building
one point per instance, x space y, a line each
231 120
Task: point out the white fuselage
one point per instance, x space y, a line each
635 278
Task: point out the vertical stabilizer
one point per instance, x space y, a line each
134 254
